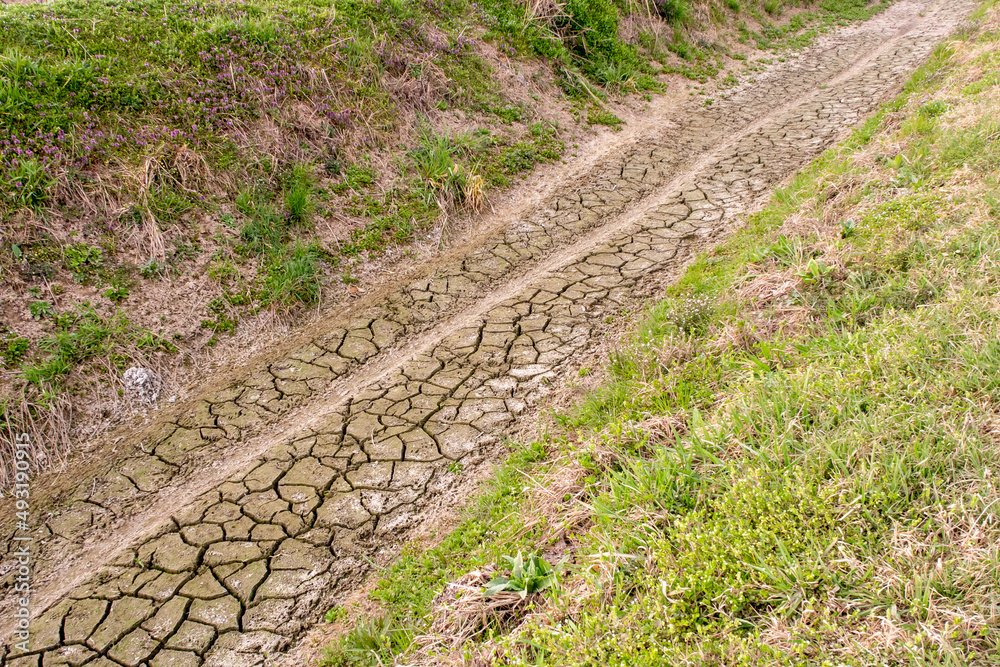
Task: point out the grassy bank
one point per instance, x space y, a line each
792 460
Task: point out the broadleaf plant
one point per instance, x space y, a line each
527 576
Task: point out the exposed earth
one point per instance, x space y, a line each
217 536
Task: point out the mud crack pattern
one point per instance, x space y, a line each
240 572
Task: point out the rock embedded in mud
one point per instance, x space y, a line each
142 385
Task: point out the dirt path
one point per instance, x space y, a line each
231 528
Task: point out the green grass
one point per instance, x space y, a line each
293 275
804 480
82 335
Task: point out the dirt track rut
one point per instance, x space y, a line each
238 538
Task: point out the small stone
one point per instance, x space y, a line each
141 385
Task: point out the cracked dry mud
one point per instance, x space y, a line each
434 374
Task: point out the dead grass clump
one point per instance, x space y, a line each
677 350
744 335
557 504
546 11
664 429
417 94
193 173
461 612
44 426
185 170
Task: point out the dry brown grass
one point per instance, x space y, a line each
461 612
47 425
556 502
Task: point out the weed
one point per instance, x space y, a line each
600 116
848 228
435 162
27 183
298 197
527 577
40 309
814 272
334 614
121 285
358 176
221 321
370 642
265 231
82 334
292 276
83 261
13 349
151 270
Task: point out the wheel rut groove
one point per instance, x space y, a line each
362 422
